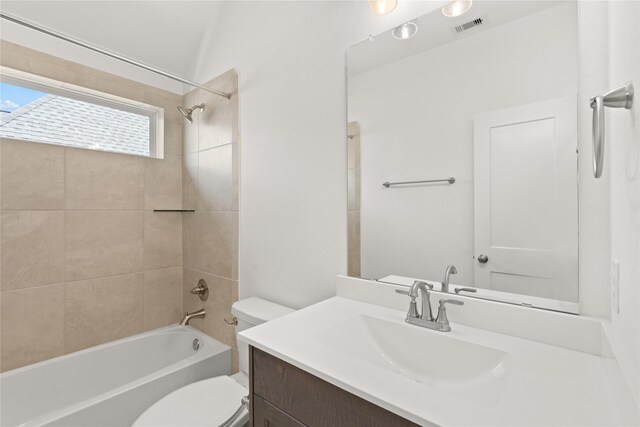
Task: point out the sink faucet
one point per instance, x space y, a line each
424 288
425 318
451 269
188 316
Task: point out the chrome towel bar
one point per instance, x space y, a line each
621 97
450 180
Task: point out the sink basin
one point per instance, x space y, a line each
470 371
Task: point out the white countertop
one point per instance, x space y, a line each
546 385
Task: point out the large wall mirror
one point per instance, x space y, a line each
462 150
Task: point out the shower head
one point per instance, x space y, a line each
189 111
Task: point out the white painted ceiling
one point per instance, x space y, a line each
165 34
435 29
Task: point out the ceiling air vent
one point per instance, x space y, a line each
468 25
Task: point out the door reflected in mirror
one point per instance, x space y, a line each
462 150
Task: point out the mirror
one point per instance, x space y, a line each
462 150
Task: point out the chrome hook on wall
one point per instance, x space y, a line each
621 97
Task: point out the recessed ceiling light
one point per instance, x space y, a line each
382 7
405 31
456 8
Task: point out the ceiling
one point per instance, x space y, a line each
434 29
165 34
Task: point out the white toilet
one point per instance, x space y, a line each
213 401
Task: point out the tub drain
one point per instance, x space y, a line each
196 344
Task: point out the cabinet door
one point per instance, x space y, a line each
311 400
267 415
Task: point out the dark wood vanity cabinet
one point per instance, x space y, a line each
285 396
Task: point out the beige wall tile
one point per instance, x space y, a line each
235 203
169 101
353 189
215 181
32 61
162 297
173 129
218 308
191 302
190 239
162 240
235 244
222 294
35 62
217 120
105 82
190 192
103 244
163 183
172 119
353 152
353 264
32 248
104 181
215 247
190 131
32 325
353 227
32 175
101 310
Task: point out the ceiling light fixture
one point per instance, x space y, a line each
382 7
456 8
405 31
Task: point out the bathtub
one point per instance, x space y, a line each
110 384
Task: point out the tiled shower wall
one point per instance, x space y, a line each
84 260
210 186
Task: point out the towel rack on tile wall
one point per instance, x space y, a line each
621 97
450 180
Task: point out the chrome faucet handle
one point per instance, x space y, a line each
202 290
413 306
458 290
442 320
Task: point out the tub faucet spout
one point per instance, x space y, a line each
188 316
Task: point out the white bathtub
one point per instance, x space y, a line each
111 384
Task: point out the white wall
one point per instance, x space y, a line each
291 65
609 57
290 57
416 119
624 140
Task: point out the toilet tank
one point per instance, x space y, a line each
252 312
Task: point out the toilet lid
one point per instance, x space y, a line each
204 403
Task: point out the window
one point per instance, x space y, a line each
43 110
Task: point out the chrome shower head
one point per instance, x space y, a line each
189 111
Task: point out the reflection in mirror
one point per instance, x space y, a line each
489 99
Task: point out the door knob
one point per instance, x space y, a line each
483 258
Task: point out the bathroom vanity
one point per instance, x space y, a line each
284 395
353 360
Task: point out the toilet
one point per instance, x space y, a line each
212 401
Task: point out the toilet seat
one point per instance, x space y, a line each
204 403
